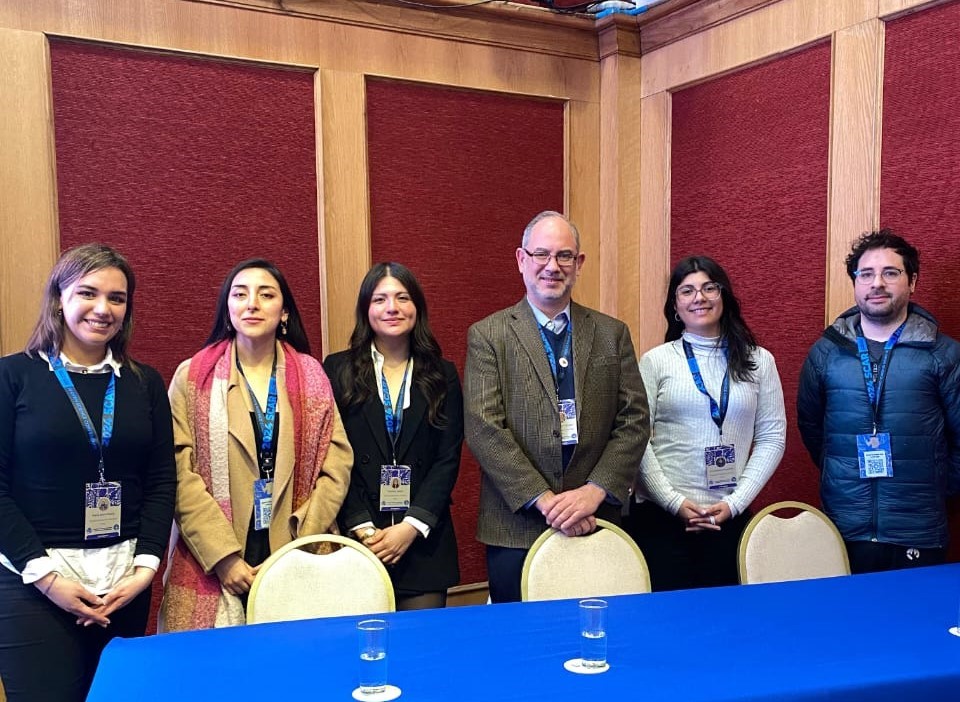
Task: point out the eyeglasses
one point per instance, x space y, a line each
542 258
868 275
710 291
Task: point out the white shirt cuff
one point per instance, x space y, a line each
38 568
418 525
145 560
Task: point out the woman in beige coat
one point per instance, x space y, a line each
262 456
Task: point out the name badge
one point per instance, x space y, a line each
873 452
721 464
568 422
262 503
101 511
394 488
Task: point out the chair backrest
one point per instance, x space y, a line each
774 549
296 584
606 562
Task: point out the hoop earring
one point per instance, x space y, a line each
676 316
283 328
229 326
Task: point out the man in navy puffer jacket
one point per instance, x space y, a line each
879 411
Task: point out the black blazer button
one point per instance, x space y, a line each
556 434
365 459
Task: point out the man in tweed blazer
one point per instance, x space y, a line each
538 471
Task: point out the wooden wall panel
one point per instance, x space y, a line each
769 31
654 260
345 201
620 174
28 190
218 30
854 205
582 199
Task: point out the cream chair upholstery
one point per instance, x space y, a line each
774 549
606 562
296 584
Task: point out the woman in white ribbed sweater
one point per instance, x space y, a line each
719 431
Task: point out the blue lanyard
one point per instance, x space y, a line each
265 420
394 417
717 412
109 402
875 388
559 372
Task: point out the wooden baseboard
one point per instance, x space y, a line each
469 594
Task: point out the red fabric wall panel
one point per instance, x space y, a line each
454 177
749 189
187 166
920 171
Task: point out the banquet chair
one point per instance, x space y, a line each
606 562
776 549
297 584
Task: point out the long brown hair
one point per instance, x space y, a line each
358 376
72 265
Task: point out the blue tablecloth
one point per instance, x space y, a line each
872 637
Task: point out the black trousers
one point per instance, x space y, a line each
504 568
873 556
679 559
44 655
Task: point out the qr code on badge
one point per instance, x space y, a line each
266 510
874 463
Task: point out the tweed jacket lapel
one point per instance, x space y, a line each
584 328
524 325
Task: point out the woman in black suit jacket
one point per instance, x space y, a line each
402 407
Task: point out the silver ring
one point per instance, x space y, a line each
713 520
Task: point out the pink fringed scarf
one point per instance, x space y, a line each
194 600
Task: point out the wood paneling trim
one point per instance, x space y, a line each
505 25
889 9
774 29
620 134
618 35
344 201
582 194
654 245
29 235
252 35
854 197
693 19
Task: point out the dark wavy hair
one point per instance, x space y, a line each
739 339
296 335
73 264
358 377
884 239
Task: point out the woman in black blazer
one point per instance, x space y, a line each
402 407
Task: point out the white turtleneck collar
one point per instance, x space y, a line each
704 343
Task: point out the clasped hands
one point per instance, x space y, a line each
390 543
704 518
572 511
71 596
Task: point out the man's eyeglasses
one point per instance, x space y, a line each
710 291
887 275
542 258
